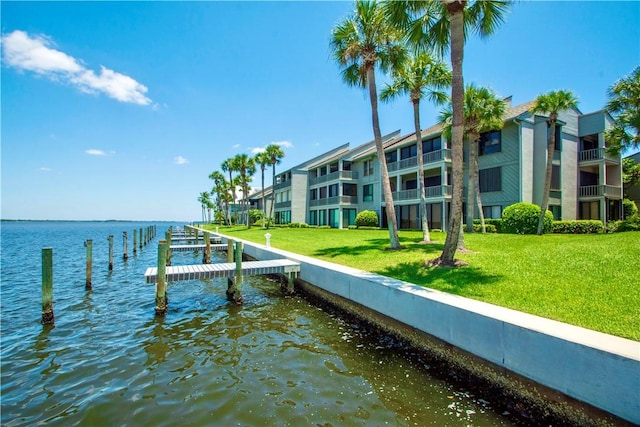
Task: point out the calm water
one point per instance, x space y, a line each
273 361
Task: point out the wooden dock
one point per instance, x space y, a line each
222 270
188 248
214 239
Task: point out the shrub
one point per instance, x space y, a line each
488 228
297 225
588 226
324 227
496 222
630 208
367 219
255 215
629 224
522 218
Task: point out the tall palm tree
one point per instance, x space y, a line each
246 166
220 188
361 43
421 76
263 159
203 198
276 154
551 103
624 107
483 111
227 166
444 24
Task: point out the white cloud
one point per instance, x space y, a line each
235 146
45 169
95 152
180 160
257 150
285 144
36 54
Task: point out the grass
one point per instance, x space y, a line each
585 280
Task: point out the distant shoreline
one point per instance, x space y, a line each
89 220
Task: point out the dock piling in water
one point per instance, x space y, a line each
235 285
110 252
125 240
135 242
167 236
161 283
206 258
47 286
88 285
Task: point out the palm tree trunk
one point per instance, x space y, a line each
386 185
473 179
423 199
273 192
455 9
264 207
479 202
547 177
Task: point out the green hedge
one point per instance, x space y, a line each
488 228
496 222
630 224
367 219
586 226
630 208
522 218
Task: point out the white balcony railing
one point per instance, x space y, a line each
336 200
333 176
612 191
430 192
596 154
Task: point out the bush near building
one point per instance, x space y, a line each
586 226
367 219
522 218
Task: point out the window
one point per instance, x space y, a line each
407 152
314 194
555 177
490 142
346 165
333 190
558 146
392 156
367 193
323 170
334 218
323 192
412 184
433 144
313 217
556 211
322 217
368 167
333 167
432 181
490 179
349 217
349 190
492 211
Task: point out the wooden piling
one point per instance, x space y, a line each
88 285
161 283
47 286
168 239
234 290
141 241
111 252
135 242
206 258
125 240
230 250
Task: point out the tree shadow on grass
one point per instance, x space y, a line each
466 281
431 249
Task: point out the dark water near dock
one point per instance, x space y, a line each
273 361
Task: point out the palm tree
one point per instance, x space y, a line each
552 103
276 154
220 189
422 75
360 43
483 111
444 24
624 107
247 167
204 200
227 166
263 159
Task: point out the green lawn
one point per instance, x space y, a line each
586 280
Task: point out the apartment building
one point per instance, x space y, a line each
332 188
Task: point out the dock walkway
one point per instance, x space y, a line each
221 270
188 248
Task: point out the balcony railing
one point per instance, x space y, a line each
411 162
596 154
336 200
612 191
280 205
430 192
280 185
333 176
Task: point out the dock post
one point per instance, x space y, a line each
206 258
110 252
161 280
47 286
125 240
235 284
291 276
88 285
141 242
167 237
135 242
229 250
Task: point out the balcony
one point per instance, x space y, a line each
333 176
281 185
282 205
596 154
336 200
430 192
427 158
611 191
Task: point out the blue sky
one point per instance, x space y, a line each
121 110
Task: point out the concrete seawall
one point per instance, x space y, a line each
595 368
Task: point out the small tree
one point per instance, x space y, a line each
522 218
367 219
